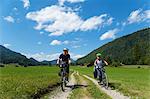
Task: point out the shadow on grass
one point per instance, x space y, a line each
43 91
114 86
76 86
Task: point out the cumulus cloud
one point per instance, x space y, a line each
109 34
43 56
76 56
58 20
7 45
57 42
61 2
137 16
9 19
26 3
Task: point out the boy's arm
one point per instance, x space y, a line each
105 62
95 63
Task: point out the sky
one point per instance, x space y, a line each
42 28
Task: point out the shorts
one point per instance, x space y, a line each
66 67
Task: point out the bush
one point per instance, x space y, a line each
116 64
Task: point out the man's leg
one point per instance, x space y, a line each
67 70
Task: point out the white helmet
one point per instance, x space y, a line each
65 49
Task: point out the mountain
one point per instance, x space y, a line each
7 56
130 49
54 62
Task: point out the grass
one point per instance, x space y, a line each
22 82
133 82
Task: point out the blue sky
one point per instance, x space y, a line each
41 29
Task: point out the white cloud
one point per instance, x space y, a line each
66 42
76 56
61 2
9 19
41 32
56 42
15 9
43 56
93 22
76 46
6 45
26 3
39 43
138 16
58 20
135 16
109 34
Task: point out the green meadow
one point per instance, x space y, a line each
22 82
131 81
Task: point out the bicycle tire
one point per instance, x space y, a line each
105 81
63 84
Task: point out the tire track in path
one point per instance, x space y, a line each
59 94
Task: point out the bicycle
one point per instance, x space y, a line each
63 75
103 77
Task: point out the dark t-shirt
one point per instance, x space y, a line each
65 58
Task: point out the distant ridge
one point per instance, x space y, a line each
8 56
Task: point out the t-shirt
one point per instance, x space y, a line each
65 58
99 63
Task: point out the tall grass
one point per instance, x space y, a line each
21 82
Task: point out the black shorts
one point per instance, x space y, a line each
66 66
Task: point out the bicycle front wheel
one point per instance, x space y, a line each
63 84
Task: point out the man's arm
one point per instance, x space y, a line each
58 61
69 60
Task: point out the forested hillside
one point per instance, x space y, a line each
130 49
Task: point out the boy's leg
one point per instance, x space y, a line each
100 75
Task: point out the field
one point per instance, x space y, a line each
22 82
133 81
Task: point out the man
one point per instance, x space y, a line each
64 60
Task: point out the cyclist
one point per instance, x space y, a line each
99 67
64 60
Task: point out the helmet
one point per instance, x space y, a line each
98 54
65 49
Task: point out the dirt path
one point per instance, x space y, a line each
77 80
58 94
112 93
